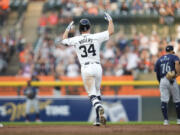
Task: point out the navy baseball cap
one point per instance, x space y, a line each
169 48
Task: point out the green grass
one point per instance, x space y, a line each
85 123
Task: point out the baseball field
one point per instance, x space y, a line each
83 128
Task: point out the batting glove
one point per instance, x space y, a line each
69 26
107 16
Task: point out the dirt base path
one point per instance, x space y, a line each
91 130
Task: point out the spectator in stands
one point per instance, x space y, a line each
130 60
60 69
26 61
3 65
124 9
21 43
154 44
42 24
144 61
162 12
109 50
72 68
148 7
101 7
143 41
108 65
92 9
122 42
137 7
26 69
178 50
52 21
7 48
135 42
114 8
142 47
4 9
43 69
78 9
177 7
169 18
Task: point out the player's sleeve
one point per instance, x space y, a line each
176 58
102 36
68 41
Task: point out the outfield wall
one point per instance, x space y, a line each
76 108
151 109
73 108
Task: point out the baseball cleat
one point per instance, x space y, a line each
178 121
38 121
27 121
96 123
1 125
101 116
166 122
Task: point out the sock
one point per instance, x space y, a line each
178 109
96 103
27 117
37 116
164 110
99 97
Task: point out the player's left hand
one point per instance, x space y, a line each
107 16
69 26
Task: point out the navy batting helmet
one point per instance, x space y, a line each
169 48
84 25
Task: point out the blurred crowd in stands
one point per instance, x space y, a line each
121 55
7 49
68 8
10 43
4 9
6 6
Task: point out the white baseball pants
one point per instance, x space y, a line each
92 76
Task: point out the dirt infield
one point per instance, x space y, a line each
91 130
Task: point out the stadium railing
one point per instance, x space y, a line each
123 85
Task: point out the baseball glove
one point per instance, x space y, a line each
171 75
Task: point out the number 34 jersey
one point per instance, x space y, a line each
87 46
164 64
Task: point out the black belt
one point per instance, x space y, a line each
87 63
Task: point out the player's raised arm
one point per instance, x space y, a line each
65 35
111 24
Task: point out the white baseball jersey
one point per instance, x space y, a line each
87 46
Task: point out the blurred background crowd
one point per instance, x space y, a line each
132 50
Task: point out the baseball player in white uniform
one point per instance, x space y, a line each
87 47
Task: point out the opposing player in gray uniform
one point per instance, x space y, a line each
32 100
166 66
87 47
